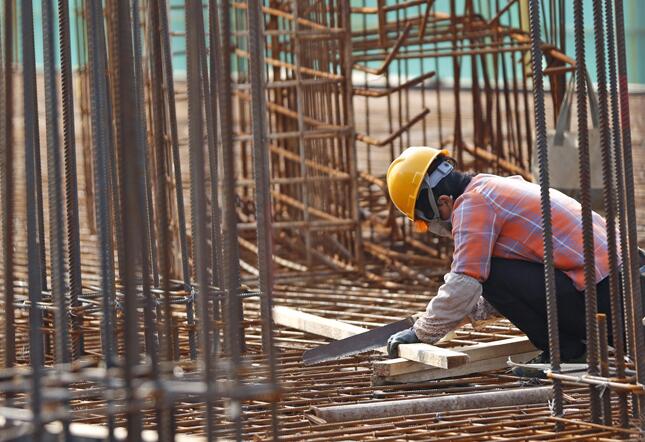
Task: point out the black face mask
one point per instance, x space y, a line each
423 208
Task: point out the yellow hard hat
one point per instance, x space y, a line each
406 173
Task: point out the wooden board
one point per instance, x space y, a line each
477 352
440 373
426 354
316 325
430 355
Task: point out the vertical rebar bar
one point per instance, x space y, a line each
262 189
54 181
7 182
214 153
132 196
300 109
587 223
71 185
195 60
179 187
166 415
617 320
99 120
634 291
608 194
603 351
231 270
149 256
541 146
34 246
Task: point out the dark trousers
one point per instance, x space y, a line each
517 290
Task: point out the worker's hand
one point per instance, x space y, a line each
403 337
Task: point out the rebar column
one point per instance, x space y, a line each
34 246
195 60
609 202
231 261
169 86
262 188
71 184
131 169
617 301
582 83
545 203
7 183
99 117
634 290
54 181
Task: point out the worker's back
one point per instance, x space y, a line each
501 217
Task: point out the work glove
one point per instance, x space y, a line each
403 337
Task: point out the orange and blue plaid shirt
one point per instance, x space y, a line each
501 217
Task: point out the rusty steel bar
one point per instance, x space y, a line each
284 120
541 146
34 246
632 266
263 200
617 319
179 193
196 59
7 182
582 85
99 117
71 182
132 195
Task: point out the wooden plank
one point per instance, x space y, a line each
432 374
397 366
504 347
427 354
478 352
316 325
430 355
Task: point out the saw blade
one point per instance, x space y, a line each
355 344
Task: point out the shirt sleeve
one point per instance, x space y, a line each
475 228
456 299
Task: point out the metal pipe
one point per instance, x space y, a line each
406 407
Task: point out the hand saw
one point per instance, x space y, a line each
355 344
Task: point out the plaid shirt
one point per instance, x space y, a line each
501 217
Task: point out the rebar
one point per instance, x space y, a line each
281 136
32 169
545 203
634 291
582 83
617 318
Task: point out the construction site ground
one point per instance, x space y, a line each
355 299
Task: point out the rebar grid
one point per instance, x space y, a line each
280 159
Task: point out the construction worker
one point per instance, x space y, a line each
497 266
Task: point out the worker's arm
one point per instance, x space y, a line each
447 311
456 299
476 227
